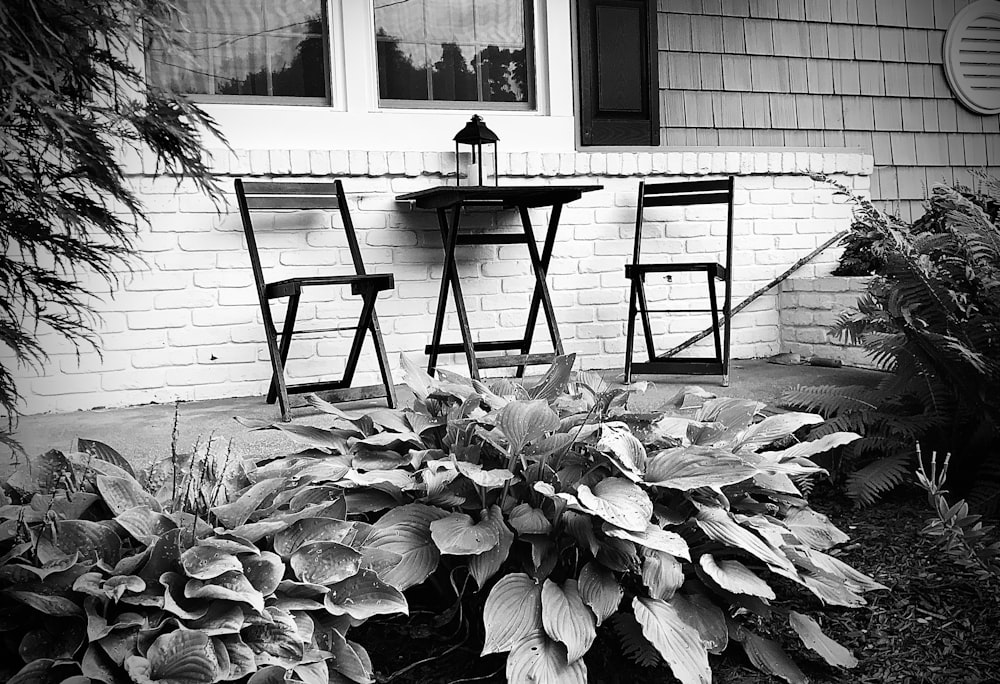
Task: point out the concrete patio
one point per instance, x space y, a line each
143 433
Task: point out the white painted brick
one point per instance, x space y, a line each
260 162
299 163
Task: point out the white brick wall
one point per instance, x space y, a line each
809 306
185 324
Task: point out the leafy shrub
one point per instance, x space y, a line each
959 533
672 532
930 317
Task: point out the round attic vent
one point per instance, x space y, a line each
972 56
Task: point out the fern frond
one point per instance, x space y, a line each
828 400
634 644
877 478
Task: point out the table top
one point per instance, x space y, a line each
504 196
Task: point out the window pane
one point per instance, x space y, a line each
297 66
453 76
402 70
448 21
500 21
505 75
474 50
240 66
246 47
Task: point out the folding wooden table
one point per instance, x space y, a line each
449 201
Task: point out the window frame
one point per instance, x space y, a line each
303 101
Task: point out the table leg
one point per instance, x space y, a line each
449 235
540 267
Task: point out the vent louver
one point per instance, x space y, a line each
972 56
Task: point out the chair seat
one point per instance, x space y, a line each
293 286
715 270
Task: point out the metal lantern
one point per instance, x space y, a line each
476 134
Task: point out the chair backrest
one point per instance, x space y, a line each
682 194
274 196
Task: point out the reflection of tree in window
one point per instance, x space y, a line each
505 74
453 79
302 76
398 78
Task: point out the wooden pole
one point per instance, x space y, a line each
746 302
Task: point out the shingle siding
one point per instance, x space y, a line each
791 73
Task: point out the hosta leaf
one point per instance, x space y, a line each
525 421
536 658
379 478
145 525
814 638
549 444
731 412
581 528
264 570
92 541
309 530
176 602
96 665
67 507
321 471
566 619
315 494
229 586
292 589
600 590
349 659
123 493
486 564
116 586
619 555
54 566
363 596
179 657
406 531
678 642
735 577
416 378
815 446
718 525
513 610
56 641
490 479
687 468
325 562
619 502
237 512
333 439
654 537
241 657
255 531
275 641
103 452
767 656
206 562
698 611
815 529
313 673
269 674
832 590
774 427
554 381
528 520
458 534
625 451
222 618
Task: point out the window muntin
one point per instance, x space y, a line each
246 50
454 51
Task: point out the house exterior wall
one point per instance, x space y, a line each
834 73
809 306
186 325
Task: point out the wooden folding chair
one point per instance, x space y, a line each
282 196
680 195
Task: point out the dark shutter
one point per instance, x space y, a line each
618 74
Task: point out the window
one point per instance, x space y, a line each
454 51
263 50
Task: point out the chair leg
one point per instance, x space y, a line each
364 321
647 325
714 304
383 361
727 319
630 333
277 364
287 330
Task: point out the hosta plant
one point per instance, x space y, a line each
673 532
224 572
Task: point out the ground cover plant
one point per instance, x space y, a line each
930 317
540 521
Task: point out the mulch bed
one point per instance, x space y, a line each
936 625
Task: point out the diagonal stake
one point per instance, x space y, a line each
749 300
